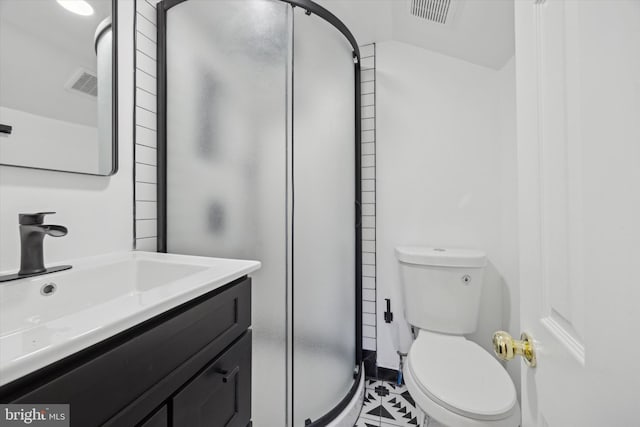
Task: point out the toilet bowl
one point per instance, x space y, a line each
458 383
451 379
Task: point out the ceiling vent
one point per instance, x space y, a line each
438 11
84 82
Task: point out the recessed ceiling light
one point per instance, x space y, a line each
79 7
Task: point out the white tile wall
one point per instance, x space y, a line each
146 126
368 104
146 156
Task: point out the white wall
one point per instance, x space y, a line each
368 175
97 210
446 176
146 156
44 142
34 71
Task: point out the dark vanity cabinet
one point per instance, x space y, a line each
160 418
188 367
218 395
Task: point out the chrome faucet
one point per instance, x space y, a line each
32 233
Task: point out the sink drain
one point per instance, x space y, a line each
48 289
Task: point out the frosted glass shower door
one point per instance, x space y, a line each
323 222
227 106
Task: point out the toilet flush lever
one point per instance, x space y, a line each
506 348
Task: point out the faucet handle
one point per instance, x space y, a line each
33 218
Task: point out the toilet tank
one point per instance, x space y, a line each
441 287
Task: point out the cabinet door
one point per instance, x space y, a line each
221 394
159 419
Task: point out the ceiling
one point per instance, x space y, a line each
479 31
43 46
52 24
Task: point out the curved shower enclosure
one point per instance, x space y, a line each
259 158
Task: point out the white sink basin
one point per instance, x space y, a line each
46 318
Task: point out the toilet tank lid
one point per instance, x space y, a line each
441 257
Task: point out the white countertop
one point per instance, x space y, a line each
98 298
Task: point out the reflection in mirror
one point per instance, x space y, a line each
57 85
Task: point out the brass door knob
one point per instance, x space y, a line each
506 347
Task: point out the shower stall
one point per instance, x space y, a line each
259 158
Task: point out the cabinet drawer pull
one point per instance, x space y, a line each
228 375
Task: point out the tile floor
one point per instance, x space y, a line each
387 404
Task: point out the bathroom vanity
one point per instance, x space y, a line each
185 361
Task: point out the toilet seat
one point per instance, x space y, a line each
461 377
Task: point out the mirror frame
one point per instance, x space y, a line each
114 106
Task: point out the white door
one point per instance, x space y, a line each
578 91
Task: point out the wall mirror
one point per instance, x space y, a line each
58 85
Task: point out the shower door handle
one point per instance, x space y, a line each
358 214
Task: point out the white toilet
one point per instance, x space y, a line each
453 380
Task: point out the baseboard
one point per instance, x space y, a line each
386 374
